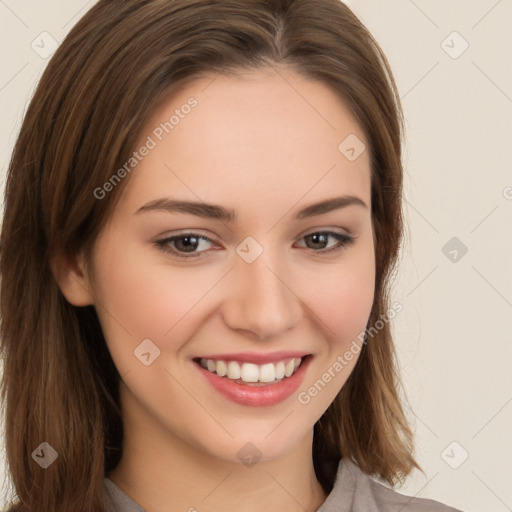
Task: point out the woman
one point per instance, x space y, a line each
202 215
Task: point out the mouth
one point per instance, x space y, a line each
239 379
252 374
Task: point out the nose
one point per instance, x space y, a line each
261 297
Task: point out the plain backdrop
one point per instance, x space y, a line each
452 63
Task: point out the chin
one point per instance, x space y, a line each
251 448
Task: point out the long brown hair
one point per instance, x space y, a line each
60 384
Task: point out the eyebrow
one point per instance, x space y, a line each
212 211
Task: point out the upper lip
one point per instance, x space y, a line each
256 357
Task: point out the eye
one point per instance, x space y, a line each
321 238
187 245
184 243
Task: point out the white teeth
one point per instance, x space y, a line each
267 373
290 367
250 372
221 368
234 370
280 370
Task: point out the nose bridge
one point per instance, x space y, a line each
262 300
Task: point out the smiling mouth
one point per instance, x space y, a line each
250 373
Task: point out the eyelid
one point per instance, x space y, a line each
323 229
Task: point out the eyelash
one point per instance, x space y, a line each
163 245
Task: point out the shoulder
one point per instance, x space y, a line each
390 500
118 500
369 495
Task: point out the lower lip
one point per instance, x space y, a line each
256 396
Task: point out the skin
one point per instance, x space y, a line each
266 145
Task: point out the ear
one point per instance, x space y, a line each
71 276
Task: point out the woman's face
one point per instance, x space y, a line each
260 287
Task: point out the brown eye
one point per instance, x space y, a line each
319 240
183 246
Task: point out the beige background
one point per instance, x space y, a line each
454 333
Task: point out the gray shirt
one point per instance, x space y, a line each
353 491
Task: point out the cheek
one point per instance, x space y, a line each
342 295
342 302
140 296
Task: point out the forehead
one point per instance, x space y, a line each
264 139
